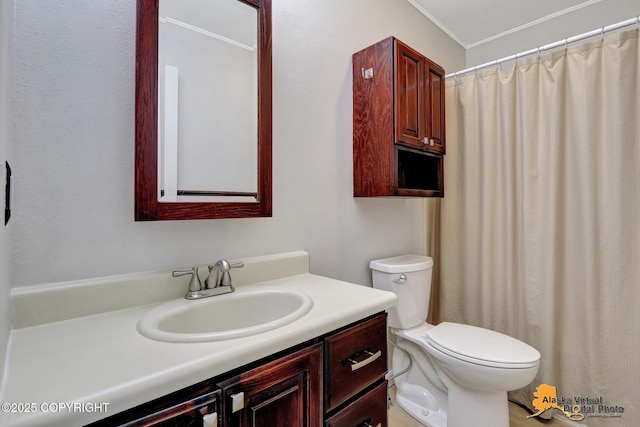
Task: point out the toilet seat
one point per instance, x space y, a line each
481 346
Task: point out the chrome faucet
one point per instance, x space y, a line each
218 281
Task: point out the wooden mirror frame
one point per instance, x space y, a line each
147 205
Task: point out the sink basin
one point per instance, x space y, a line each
238 314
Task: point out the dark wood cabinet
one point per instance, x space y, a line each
398 122
285 392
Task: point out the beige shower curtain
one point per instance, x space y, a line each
540 224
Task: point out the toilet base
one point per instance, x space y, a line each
466 409
409 397
477 408
415 393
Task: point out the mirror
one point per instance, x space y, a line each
203 109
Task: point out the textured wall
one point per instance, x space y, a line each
74 142
5 286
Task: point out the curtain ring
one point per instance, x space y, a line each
638 22
602 34
566 43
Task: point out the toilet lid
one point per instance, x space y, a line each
402 264
482 346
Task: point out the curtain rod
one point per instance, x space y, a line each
554 45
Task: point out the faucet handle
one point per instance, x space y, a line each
226 277
238 264
194 284
225 266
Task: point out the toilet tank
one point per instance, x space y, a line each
409 277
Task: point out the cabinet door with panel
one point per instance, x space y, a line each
285 393
418 101
435 115
180 409
409 99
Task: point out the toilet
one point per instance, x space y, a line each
452 375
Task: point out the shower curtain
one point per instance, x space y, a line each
540 224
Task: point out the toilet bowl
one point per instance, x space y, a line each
459 375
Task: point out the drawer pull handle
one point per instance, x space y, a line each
372 357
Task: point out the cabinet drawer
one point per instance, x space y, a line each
354 359
370 409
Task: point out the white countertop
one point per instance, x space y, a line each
102 358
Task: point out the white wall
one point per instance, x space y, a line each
74 145
5 287
217 100
597 15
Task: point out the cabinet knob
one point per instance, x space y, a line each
237 402
367 74
210 420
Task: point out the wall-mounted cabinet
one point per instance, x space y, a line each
398 122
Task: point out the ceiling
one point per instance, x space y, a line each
472 23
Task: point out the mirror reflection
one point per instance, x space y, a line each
203 109
207 101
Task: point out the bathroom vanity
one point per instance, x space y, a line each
326 368
338 378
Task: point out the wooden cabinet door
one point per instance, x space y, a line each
179 409
285 393
435 129
409 97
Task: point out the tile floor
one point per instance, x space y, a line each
517 417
